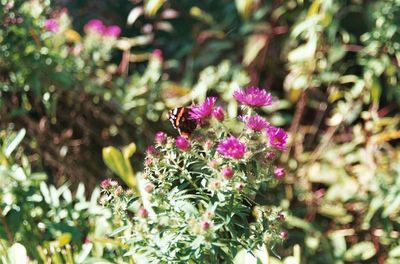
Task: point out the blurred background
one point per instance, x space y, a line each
68 89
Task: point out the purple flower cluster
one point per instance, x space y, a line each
253 96
256 123
202 111
96 26
277 137
232 148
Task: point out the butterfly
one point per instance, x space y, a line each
180 120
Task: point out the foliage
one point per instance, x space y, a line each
205 196
336 63
48 223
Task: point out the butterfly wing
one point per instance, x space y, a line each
180 120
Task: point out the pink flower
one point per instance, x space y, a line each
218 113
151 150
143 213
112 31
105 184
182 143
94 25
51 25
205 225
157 53
277 137
202 111
232 147
256 123
227 172
253 96
284 234
279 172
160 137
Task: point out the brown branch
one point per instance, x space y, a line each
6 228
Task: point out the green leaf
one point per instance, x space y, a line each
120 165
129 150
151 6
244 7
14 143
361 251
395 252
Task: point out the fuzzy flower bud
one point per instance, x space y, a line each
279 172
143 213
160 137
105 184
149 187
227 172
182 143
118 191
239 186
205 225
284 234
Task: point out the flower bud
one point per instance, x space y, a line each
105 184
149 187
160 137
215 185
284 234
279 172
143 213
239 186
205 225
227 172
118 191
182 143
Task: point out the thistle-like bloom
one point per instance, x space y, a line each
277 137
232 147
51 25
218 113
160 137
112 31
94 25
253 96
256 123
182 143
202 111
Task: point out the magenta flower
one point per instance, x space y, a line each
232 147
277 137
94 25
279 172
157 53
256 123
205 225
105 184
218 113
182 143
143 213
160 137
227 172
51 25
253 96
112 31
202 111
